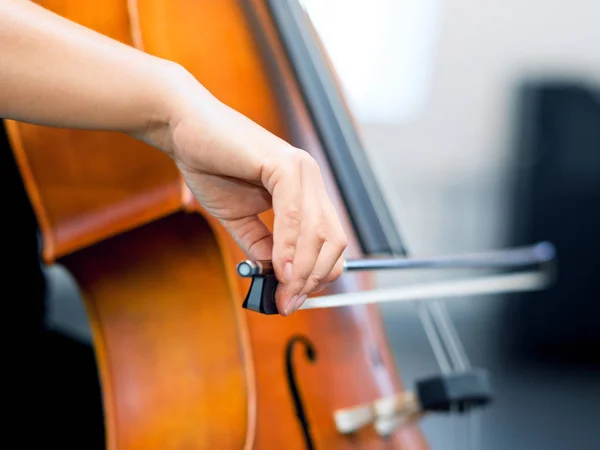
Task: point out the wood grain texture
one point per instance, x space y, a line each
84 185
166 339
235 53
182 365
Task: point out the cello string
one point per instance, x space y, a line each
461 363
454 428
440 323
434 340
432 332
450 336
476 427
472 422
440 313
468 431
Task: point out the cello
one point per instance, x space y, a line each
181 365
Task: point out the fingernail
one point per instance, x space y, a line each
287 271
299 302
289 308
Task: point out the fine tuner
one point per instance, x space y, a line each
261 295
459 391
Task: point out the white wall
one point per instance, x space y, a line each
444 162
443 167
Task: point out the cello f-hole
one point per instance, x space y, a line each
311 355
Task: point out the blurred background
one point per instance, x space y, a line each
482 123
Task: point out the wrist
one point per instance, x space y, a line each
173 89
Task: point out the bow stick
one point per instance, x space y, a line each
261 295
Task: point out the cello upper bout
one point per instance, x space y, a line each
157 287
80 194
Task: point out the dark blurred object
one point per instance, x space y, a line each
557 198
53 387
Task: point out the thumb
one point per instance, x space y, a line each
252 235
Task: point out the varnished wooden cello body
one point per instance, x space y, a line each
182 366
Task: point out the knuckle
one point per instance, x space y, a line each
292 215
339 241
305 161
290 164
311 284
315 279
287 251
302 278
297 158
320 234
283 251
320 288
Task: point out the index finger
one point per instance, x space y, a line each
286 192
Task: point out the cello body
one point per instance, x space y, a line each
181 364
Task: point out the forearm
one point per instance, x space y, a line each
55 72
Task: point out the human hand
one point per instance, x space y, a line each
237 170
55 72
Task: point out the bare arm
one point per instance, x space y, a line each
55 72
